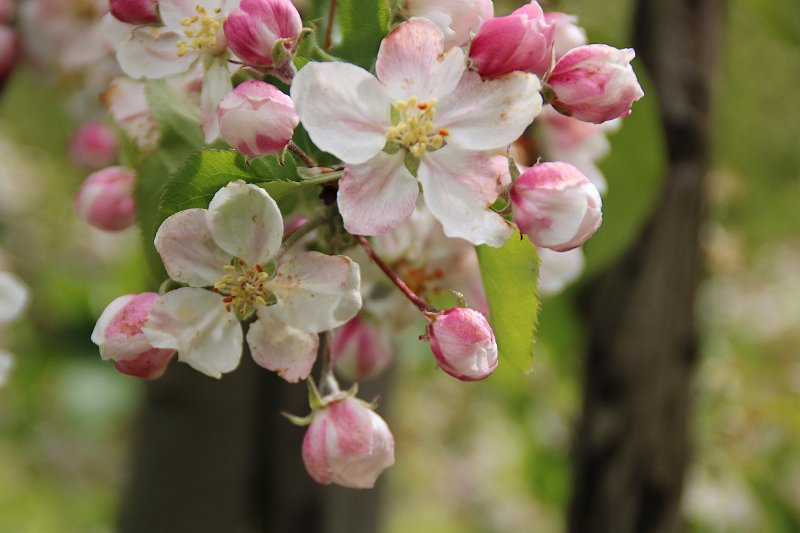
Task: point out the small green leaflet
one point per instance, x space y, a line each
363 24
179 122
510 274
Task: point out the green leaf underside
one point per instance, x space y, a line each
509 278
363 23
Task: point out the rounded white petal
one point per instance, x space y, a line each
281 348
195 323
188 250
245 222
344 108
459 188
490 114
316 292
14 297
376 196
216 84
152 52
411 62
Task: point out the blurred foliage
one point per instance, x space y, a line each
471 458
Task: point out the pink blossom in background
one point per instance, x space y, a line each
9 52
105 200
457 19
567 33
94 145
361 349
135 11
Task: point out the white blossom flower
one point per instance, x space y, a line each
425 117
228 255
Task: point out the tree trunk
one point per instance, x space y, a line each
632 445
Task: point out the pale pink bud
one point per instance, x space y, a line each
135 11
556 206
9 52
456 18
119 335
520 41
593 83
256 26
93 145
360 350
567 34
348 444
463 342
105 200
257 119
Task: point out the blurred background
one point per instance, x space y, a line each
471 458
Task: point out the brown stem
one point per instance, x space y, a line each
392 275
301 155
329 27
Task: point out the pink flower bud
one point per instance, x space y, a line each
257 119
567 34
360 350
519 41
9 52
119 335
135 11
463 342
93 145
594 83
456 18
348 444
256 26
556 206
105 200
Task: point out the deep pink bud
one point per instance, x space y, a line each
9 52
556 206
254 28
520 41
93 145
105 200
119 335
257 119
348 444
360 350
593 83
567 34
135 11
463 342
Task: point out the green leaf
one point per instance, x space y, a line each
150 180
363 23
178 120
270 169
509 277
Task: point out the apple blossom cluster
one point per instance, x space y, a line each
412 163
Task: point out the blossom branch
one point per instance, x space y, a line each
300 154
421 304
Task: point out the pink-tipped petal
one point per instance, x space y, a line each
281 348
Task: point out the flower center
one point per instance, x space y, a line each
243 288
413 127
201 30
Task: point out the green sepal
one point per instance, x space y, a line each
412 163
298 420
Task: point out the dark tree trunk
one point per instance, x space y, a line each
217 457
632 445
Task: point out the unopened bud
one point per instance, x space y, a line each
556 206
256 26
93 145
593 83
361 351
463 342
119 335
257 119
9 52
348 444
105 200
135 11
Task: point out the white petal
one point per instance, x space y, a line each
490 114
459 187
13 297
195 323
6 364
376 196
316 292
246 222
152 52
344 108
188 250
216 84
411 62
173 11
281 348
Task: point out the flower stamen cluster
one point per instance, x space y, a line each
414 128
202 29
243 288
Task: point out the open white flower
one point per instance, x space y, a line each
191 34
425 117
228 256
